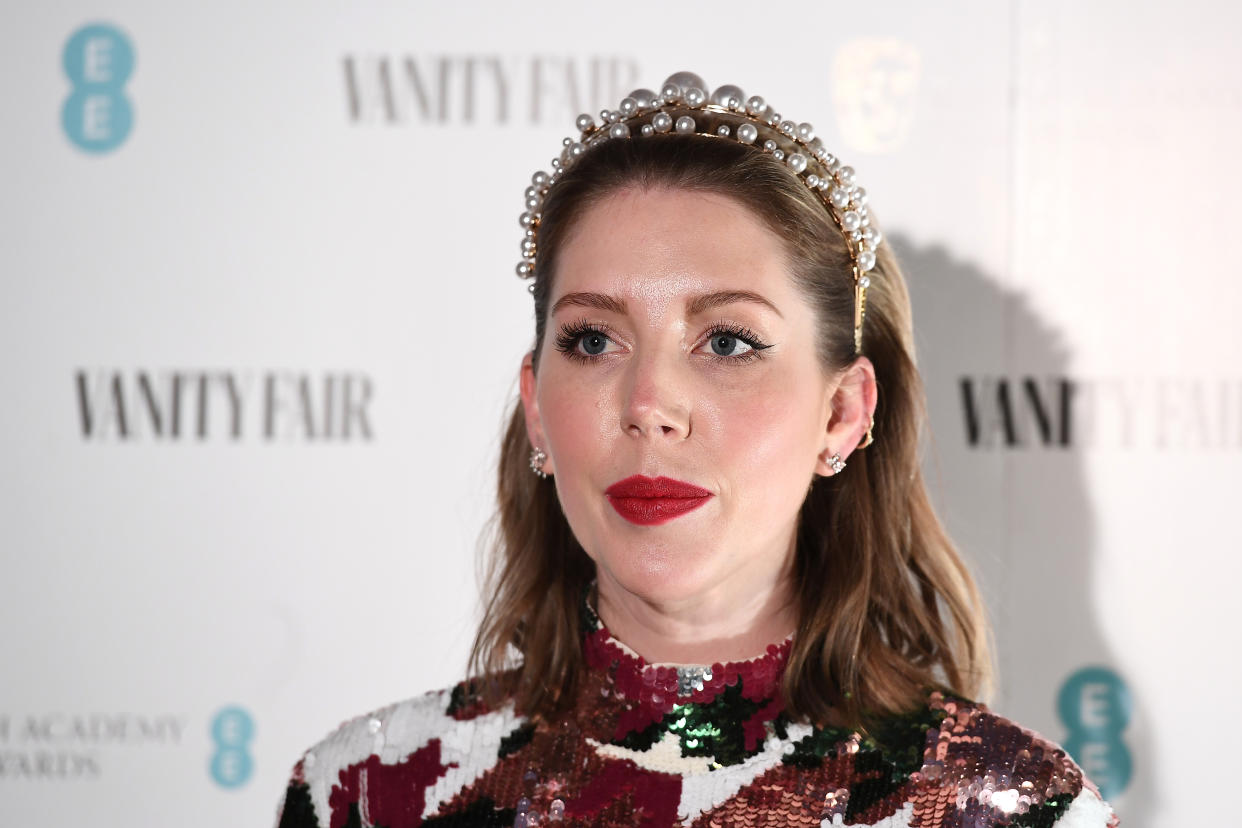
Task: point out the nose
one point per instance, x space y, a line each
656 403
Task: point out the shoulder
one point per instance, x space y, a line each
978 763
431 744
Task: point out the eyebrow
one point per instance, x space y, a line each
696 305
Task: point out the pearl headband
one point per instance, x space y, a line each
683 107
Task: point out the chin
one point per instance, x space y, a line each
659 572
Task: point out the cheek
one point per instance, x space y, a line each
771 428
578 417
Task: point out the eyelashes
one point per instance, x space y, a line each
572 334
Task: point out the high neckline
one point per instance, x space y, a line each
722 712
684 681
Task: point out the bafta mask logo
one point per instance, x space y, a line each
875 87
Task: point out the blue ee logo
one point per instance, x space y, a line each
1095 706
97 115
232 730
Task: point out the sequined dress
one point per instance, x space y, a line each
656 746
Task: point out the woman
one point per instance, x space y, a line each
697 615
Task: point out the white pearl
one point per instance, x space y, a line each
806 132
532 192
860 196
670 92
850 221
686 80
613 116
539 179
618 131
685 124
864 282
846 175
866 261
756 105
839 197
873 236
526 219
779 155
528 248
530 288
576 149
724 94
787 127
797 162
769 145
628 106
529 232
812 180
524 269
772 117
647 129
644 98
695 97
532 203
662 122
722 131
747 133
584 122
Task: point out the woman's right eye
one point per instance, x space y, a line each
593 344
582 342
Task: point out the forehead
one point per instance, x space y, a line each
657 245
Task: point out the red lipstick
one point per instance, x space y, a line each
650 501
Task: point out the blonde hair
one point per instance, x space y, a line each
886 607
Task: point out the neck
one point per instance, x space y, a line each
718 626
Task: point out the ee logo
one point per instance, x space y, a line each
97 116
1094 704
232 730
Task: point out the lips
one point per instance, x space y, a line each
649 501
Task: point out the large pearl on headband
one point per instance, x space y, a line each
747 133
684 125
645 98
726 93
686 80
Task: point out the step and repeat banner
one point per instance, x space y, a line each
260 327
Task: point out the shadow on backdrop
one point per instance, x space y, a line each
1007 477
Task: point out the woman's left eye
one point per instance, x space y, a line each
728 345
735 344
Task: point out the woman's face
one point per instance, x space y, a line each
678 347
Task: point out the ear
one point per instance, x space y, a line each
852 404
530 406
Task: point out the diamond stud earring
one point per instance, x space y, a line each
537 459
837 463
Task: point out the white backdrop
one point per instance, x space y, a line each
260 326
